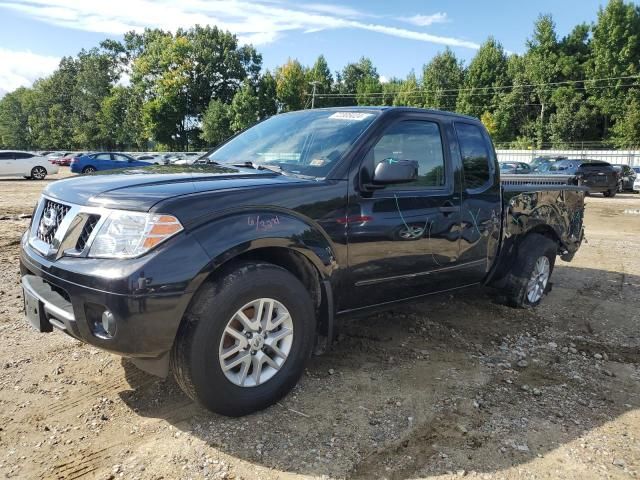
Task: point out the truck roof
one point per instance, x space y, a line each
394 108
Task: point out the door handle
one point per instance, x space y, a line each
449 209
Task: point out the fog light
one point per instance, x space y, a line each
108 323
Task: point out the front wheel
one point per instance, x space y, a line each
531 272
245 339
38 173
609 193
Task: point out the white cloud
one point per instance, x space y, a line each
20 69
255 21
426 20
334 9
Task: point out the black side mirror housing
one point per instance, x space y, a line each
390 171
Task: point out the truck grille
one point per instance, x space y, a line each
89 225
52 215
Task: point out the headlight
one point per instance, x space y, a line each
131 234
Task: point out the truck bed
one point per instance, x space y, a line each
531 205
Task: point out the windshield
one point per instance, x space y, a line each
309 142
564 167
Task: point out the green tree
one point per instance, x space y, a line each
267 96
409 93
626 131
216 123
514 111
119 120
441 80
484 78
542 67
356 81
181 73
245 108
14 119
291 86
95 76
320 74
573 119
615 53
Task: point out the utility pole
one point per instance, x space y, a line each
315 83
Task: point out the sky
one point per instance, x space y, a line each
399 35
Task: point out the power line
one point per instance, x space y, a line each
497 87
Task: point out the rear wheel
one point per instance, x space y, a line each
610 193
38 173
89 169
245 339
529 279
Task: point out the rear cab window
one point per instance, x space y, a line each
477 162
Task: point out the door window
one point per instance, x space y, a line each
120 158
475 155
413 140
6 155
23 155
103 156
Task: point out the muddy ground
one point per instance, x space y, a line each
458 385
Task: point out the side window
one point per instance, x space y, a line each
413 140
6 156
103 156
475 155
23 155
120 158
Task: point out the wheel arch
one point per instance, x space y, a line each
295 243
510 250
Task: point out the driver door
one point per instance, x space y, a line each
404 237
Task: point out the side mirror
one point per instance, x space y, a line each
390 171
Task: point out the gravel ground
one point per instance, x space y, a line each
455 386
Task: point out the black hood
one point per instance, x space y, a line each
141 188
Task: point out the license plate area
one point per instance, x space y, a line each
34 311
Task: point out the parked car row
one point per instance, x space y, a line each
597 176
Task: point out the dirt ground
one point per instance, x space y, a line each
458 385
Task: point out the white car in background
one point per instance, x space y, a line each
16 163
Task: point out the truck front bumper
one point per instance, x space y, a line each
145 316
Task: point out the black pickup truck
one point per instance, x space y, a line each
227 271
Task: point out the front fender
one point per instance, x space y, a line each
242 231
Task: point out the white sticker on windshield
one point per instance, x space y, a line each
350 116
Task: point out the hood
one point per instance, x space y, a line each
141 188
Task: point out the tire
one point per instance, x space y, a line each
609 193
38 173
196 358
533 249
88 169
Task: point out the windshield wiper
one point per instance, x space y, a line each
259 166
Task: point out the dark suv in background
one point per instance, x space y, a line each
626 177
597 176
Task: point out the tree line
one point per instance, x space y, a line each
191 89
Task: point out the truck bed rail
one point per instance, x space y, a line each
539 180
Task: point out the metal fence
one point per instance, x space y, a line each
624 157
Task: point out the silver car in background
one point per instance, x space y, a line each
17 163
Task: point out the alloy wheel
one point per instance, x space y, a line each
256 342
538 280
38 173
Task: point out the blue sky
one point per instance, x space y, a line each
398 35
